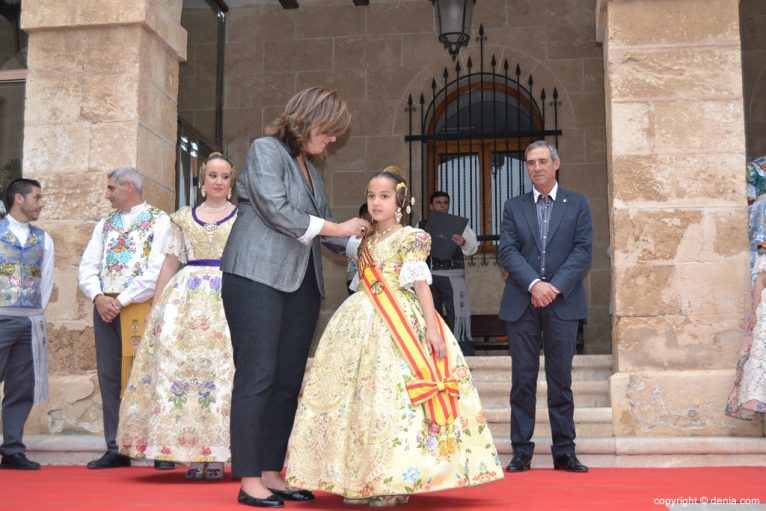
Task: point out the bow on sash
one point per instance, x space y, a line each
433 385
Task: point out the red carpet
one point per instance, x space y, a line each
626 489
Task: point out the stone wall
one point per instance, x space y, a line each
678 213
376 56
100 93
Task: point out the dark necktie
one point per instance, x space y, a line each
544 207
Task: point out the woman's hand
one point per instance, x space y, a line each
353 227
438 346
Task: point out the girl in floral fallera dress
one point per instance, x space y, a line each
748 396
176 405
389 407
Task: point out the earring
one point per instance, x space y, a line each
228 195
398 215
202 191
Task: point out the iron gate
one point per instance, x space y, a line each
473 132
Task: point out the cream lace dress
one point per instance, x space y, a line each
177 403
356 433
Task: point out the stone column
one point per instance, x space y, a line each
678 214
101 93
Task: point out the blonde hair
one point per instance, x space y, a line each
215 156
315 108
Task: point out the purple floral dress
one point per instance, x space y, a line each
177 403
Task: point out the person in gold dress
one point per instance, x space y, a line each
177 403
389 408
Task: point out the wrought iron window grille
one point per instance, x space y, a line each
472 135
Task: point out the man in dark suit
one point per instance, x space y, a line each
545 246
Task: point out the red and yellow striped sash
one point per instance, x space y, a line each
433 385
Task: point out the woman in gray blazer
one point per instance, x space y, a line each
272 285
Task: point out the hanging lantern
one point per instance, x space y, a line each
453 19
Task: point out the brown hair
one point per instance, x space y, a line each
396 175
314 108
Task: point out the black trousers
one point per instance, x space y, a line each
18 375
109 369
444 303
558 338
271 334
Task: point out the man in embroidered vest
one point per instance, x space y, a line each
449 287
119 269
26 281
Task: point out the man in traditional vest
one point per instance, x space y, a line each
118 273
26 281
449 288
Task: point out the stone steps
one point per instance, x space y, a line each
492 376
589 422
590 387
593 451
651 452
498 368
495 394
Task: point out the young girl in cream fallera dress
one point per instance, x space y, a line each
389 408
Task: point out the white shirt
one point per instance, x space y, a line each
140 288
21 231
552 195
471 244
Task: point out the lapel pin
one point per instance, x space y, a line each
565 199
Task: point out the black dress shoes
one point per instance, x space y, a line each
18 461
570 463
520 463
164 465
110 459
297 495
270 501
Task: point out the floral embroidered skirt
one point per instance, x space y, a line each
748 395
177 403
357 434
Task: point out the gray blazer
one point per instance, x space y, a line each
567 254
274 208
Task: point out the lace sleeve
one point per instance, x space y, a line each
175 243
760 261
412 271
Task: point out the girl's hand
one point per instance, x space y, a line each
438 346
